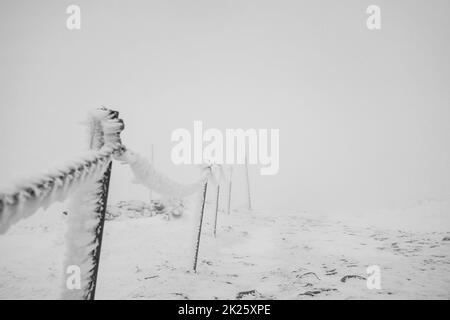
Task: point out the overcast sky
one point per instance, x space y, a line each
363 115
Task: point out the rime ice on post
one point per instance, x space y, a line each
83 181
87 207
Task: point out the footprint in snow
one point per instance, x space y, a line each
313 293
251 294
308 275
182 295
347 277
331 272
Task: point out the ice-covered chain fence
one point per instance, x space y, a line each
28 196
145 174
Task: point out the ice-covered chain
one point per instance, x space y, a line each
29 196
146 175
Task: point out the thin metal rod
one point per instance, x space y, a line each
229 191
197 245
99 231
152 163
217 210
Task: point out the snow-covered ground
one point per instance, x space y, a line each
255 255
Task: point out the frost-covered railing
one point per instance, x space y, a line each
146 175
85 183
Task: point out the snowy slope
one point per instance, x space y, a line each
255 256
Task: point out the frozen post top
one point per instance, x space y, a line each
25 198
105 128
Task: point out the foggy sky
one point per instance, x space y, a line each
363 115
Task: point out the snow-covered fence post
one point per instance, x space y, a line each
217 209
199 227
87 208
97 142
85 183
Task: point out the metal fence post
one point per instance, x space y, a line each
102 205
97 141
197 244
229 191
217 209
